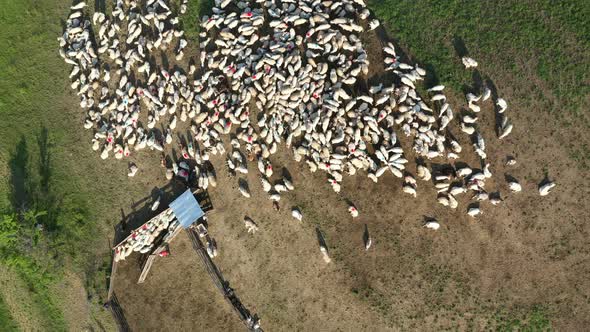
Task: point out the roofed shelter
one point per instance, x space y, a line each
186 209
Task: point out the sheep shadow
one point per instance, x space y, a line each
100 6
459 46
206 6
321 238
432 77
545 180
474 205
477 82
441 169
366 236
510 178
243 183
494 94
495 195
164 60
426 219
287 175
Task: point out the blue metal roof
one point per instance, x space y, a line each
186 209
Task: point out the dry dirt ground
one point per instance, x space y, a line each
528 252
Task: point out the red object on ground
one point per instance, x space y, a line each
164 253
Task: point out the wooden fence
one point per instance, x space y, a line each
221 284
117 312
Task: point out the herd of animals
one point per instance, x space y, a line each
142 240
270 73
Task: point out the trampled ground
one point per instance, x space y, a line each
525 259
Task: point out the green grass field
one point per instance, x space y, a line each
540 47
36 145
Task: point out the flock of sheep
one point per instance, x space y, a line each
142 239
271 72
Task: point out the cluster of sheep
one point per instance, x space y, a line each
299 66
302 78
110 89
77 49
142 239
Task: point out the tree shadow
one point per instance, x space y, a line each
30 189
19 174
45 198
44 160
